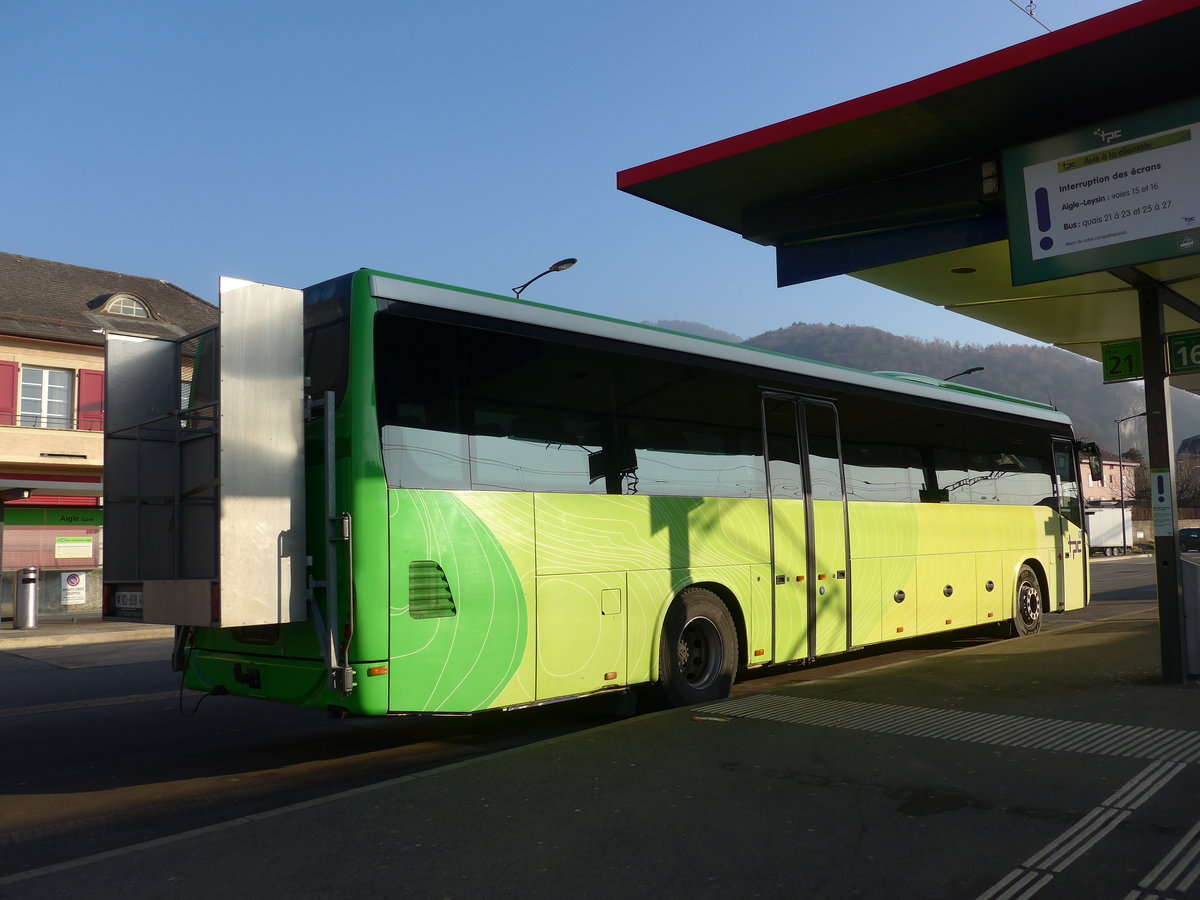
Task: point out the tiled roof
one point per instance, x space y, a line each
61 302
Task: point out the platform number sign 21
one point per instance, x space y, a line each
1122 361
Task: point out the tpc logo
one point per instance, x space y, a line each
1107 136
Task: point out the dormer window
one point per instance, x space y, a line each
127 305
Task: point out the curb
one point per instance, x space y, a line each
30 639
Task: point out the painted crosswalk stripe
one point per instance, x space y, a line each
1065 735
1175 872
1171 750
1037 871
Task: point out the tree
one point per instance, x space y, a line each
1141 476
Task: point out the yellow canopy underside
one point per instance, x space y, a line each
1077 313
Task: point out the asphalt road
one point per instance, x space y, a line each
101 749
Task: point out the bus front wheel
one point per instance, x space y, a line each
698 654
1027 614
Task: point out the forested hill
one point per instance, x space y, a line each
1047 374
697 329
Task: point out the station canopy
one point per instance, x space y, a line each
904 188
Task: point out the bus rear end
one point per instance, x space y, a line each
206 502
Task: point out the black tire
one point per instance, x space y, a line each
698 652
1027 603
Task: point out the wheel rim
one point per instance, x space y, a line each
699 653
1029 603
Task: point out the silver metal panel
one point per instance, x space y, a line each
120 547
153 481
261 557
155 537
197 553
140 380
198 474
120 470
198 506
177 602
141 385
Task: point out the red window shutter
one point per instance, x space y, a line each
8 392
91 401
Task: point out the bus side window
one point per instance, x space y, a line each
1067 474
693 433
783 450
882 472
824 462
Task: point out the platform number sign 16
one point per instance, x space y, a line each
1184 352
1122 360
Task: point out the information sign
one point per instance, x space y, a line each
1122 360
1162 503
1118 193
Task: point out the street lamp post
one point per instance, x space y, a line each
1121 476
561 266
970 371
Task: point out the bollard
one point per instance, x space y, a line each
25 601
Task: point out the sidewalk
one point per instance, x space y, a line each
81 631
1058 764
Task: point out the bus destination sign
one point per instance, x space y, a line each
1117 193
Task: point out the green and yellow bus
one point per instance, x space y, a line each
525 504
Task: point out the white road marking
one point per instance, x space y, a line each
1171 750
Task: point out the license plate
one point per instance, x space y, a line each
127 600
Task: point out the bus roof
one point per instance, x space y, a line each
386 286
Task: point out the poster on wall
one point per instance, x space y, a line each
74 588
73 547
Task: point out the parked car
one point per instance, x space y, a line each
1189 538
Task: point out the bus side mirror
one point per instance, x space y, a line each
1092 453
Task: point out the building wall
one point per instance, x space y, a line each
61 451
1108 488
53 316
53 541
64 547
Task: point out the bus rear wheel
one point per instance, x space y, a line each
1027 611
698 653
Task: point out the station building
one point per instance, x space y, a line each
53 317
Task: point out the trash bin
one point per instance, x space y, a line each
25 602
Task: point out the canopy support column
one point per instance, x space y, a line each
1162 482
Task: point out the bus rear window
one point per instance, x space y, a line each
327 336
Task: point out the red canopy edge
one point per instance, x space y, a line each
1033 50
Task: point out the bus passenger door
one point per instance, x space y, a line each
808 528
1070 586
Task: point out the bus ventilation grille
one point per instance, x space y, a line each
429 594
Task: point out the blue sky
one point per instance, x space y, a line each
467 142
